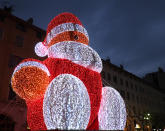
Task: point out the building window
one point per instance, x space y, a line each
128 96
1 34
141 89
164 99
141 99
133 97
131 86
115 79
137 99
121 81
19 41
2 18
20 27
126 83
134 109
109 77
14 61
135 88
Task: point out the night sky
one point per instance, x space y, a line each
131 32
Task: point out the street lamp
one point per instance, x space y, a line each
147 120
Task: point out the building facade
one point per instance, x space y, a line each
17 41
144 103
157 79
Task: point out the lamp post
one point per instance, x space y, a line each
147 121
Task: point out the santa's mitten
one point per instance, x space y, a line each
66 104
112 112
30 79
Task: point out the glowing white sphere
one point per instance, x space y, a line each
66 103
112 112
40 49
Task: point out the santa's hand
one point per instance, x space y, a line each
112 112
66 104
30 79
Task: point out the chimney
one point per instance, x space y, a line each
30 20
8 9
160 70
108 60
121 66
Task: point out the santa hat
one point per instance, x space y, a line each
67 39
64 27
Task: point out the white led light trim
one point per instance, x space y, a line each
78 53
63 28
40 49
66 104
31 63
112 112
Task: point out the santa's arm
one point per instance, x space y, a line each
30 79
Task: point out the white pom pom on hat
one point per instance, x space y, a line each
40 49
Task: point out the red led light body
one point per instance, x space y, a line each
64 27
91 79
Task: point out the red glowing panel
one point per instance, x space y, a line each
35 115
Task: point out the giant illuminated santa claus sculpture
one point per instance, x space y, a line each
65 90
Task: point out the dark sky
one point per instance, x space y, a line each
131 32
